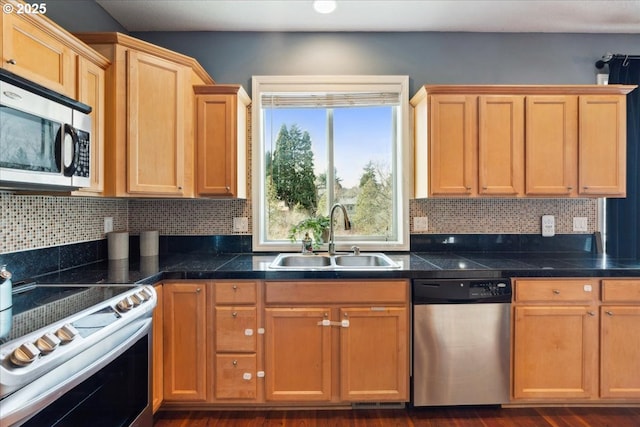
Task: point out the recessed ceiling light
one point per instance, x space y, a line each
324 6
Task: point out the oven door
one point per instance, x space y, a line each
112 388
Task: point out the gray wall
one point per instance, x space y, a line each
436 58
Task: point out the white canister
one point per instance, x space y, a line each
6 302
149 243
118 244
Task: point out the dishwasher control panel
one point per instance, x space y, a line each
461 291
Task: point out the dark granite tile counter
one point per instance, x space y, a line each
412 265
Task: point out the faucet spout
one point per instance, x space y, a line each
347 225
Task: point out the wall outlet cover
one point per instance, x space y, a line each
420 223
108 224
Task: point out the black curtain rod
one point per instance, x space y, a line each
609 56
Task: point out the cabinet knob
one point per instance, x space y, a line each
234 314
556 291
11 61
326 315
227 188
585 188
609 313
468 188
569 188
198 290
591 313
235 362
484 188
346 315
234 287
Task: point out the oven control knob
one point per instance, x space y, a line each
146 293
136 300
125 305
67 333
47 343
25 354
144 297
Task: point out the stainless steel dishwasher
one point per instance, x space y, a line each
461 342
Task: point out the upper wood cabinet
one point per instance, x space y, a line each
149 140
221 140
33 49
511 141
91 85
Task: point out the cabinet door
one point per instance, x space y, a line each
185 337
216 145
297 354
236 376
620 352
91 85
373 354
602 145
158 350
156 104
453 143
501 145
236 329
37 56
551 145
555 352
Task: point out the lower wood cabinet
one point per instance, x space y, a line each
336 341
576 340
185 341
326 343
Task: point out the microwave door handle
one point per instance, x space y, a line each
70 150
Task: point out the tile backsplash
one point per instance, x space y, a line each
30 222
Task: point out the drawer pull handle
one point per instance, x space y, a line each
11 61
556 292
609 313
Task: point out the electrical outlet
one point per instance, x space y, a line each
108 224
580 223
420 223
240 224
548 225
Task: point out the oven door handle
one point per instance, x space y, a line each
49 387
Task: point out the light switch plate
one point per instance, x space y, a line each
420 223
580 223
548 225
240 224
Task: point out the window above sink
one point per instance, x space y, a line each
353 148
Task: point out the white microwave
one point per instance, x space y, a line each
45 137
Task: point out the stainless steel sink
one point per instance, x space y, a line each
370 261
363 260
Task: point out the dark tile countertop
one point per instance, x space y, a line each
412 265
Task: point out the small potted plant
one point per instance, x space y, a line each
317 226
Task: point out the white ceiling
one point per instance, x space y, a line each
564 16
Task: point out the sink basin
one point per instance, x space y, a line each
368 260
373 261
297 260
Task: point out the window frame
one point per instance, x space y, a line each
338 83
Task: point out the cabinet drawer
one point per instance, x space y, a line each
235 292
236 376
339 292
557 290
621 290
236 329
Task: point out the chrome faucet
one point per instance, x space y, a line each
347 226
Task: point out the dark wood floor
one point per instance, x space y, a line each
422 417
